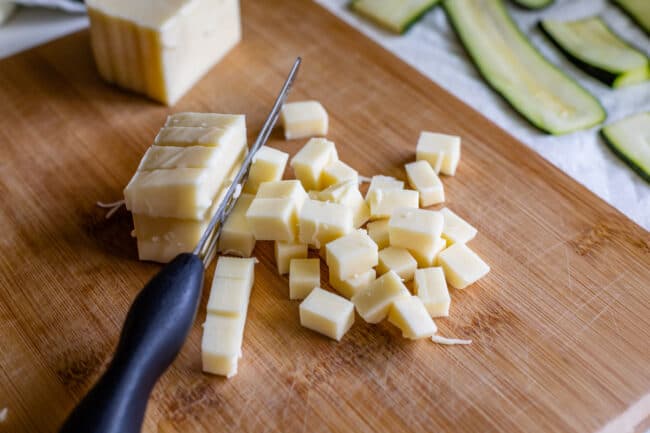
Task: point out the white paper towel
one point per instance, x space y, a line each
432 47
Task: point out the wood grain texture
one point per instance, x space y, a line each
561 326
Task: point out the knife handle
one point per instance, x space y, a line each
154 331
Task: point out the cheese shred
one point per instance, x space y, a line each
438 339
112 207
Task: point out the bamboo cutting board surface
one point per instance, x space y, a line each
561 326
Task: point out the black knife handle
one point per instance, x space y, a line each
154 331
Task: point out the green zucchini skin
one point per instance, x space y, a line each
539 125
533 5
611 142
603 75
643 23
404 28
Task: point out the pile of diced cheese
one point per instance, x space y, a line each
324 209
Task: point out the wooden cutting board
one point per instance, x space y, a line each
561 326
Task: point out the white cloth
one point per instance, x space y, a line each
432 48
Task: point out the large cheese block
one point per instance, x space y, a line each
161 48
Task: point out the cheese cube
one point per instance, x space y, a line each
378 232
237 236
351 255
268 165
383 183
273 219
236 268
462 266
398 260
428 256
208 120
423 179
411 317
304 119
327 313
290 189
375 301
416 229
309 162
285 252
221 344
430 286
440 150
304 276
384 202
229 296
337 172
351 286
161 49
455 229
347 193
322 222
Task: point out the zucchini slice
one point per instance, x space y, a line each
539 91
395 15
629 139
638 10
533 4
594 48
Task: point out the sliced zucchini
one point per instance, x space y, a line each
395 15
629 139
593 47
539 91
533 4
638 10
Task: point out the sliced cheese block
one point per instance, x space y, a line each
455 229
327 313
309 162
351 255
430 286
462 266
304 276
180 157
286 251
416 229
221 344
268 165
423 179
304 119
378 232
374 302
398 260
337 172
184 136
351 286
273 219
384 202
208 120
237 237
161 49
411 317
235 268
440 150
347 193
322 222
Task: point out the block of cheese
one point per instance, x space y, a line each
380 182
374 302
337 172
221 344
161 49
384 202
347 193
304 119
415 229
430 286
411 317
398 260
462 266
378 232
354 285
237 237
455 229
322 222
268 165
309 162
440 150
428 256
424 180
229 296
351 255
286 251
235 268
327 313
273 219
304 276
